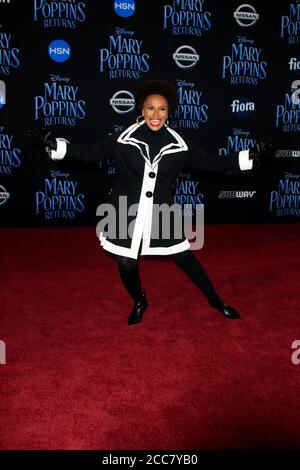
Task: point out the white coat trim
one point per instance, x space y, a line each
125 138
116 249
143 221
144 212
61 150
244 160
160 250
169 250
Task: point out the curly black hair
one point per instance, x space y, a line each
156 87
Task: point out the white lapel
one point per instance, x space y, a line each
127 139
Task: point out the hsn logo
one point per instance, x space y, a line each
124 9
59 50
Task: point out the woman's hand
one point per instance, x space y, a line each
44 137
261 149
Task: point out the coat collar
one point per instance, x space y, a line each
177 145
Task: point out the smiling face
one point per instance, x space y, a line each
155 111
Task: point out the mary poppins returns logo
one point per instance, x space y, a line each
59 14
290 24
124 56
9 54
285 199
245 64
59 198
187 17
9 153
59 103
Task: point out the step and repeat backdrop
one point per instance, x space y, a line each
73 66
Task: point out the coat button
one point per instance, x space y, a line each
152 174
149 194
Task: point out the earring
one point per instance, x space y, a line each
138 119
167 122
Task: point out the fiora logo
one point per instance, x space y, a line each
124 9
59 50
294 63
242 106
122 102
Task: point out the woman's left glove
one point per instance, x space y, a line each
261 149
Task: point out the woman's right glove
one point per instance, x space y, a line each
44 137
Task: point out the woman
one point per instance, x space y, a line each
148 157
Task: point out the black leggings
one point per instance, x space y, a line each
129 272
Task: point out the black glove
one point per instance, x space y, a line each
43 137
261 149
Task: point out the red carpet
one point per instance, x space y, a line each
77 377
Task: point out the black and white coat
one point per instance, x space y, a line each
145 182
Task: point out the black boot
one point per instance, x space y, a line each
225 309
138 310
